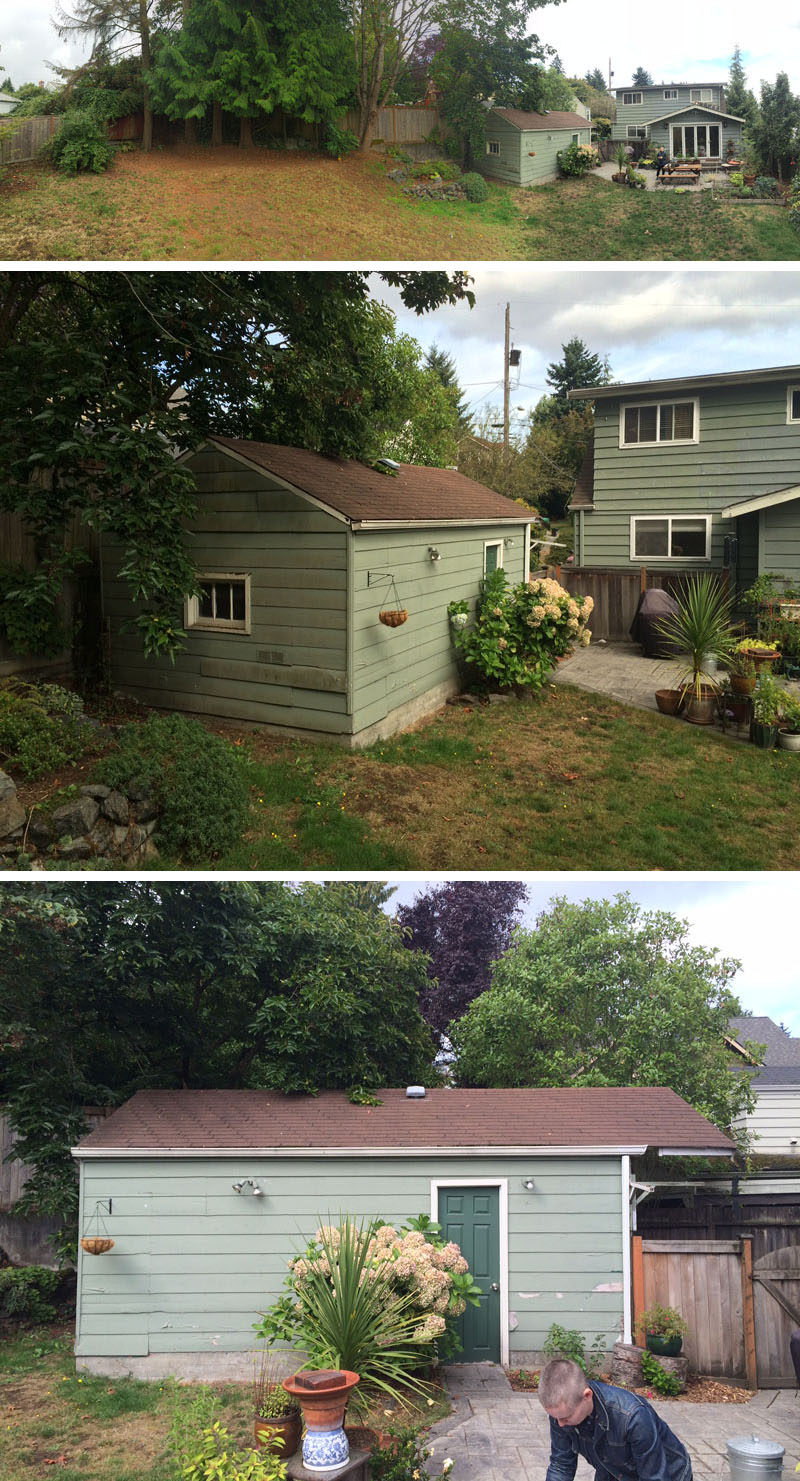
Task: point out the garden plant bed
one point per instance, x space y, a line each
699 1390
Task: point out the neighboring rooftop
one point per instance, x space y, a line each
686 382
364 495
180 1122
781 1062
642 87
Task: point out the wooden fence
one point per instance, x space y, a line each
399 125
26 1241
616 594
18 548
21 140
710 1284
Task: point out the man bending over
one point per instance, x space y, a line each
617 1432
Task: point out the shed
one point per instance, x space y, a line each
523 148
534 1185
297 554
7 103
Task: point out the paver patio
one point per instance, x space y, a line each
707 180
497 1434
620 671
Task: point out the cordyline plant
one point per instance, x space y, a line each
700 631
369 1299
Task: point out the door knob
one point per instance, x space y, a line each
494 1286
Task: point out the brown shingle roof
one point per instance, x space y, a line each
423 495
173 1120
549 121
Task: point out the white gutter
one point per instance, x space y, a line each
413 1151
752 506
440 522
627 1298
721 378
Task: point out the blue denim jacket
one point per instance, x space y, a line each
630 1442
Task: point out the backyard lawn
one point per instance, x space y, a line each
203 204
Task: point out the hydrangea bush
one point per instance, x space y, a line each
520 632
577 158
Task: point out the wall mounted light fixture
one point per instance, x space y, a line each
242 1183
528 1184
509 541
433 553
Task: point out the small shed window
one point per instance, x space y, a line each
793 404
492 556
631 99
670 537
576 138
492 146
223 603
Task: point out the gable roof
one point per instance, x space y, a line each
696 108
780 1048
574 1121
364 496
542 121
686 383
761 501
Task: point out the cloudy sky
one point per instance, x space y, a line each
750 917
651 322
682 44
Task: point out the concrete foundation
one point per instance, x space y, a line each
191 1367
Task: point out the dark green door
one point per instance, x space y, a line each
471 1217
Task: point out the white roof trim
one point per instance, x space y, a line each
96 1153
762 501
697 1152
440 521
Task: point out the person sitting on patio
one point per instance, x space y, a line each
619 1434
662 161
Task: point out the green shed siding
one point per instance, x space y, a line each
745 449
393 666
291 669
540 151
780 540
506 164
654 105
193 1263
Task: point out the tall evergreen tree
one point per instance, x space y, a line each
776 129
739 100
597 78
642 78
444 368
579 367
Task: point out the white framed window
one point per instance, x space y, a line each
659 421
492 556
793 404
576 138
631 99
670 94
702 94
223 604
637 131
492 146
670 537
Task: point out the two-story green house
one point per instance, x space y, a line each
679 465
685 118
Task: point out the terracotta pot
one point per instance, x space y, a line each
741 684
760 659
669 701
279 1435
323 1408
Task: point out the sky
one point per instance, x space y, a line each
752 918
685 44
651 322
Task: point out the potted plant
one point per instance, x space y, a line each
767 698
701 633
664 1330
742 672
621 175
789 727
276 1414
458 612
759 652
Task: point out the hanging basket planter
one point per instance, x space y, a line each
393 617
96 1245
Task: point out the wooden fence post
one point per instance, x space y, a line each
637 1280
748 1314
643 578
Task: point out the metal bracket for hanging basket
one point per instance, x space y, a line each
390 616
98 1243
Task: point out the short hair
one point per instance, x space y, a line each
561 1382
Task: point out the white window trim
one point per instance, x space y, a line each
500 547
502 1185
667 441
576 138
701 95
637 131
790 392
670 94
192 620
492 146
631 100
659 519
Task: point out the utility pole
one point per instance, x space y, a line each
610 74
506 379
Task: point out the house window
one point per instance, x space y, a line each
576 138
492 146
631 99
702 94
223 603
670 94
793 404
659 421
670 537
636 131
492 556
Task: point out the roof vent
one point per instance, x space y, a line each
387 463
415 1092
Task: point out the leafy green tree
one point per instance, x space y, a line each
116 29
579 367
89 367
600 101
443 366
739 100
775 130
554 451
642 78
605 993
117 986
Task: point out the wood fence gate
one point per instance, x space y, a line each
710 1283
776 1280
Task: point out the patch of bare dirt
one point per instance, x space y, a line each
699 1390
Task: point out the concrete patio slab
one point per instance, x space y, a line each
620 671
707 180
496 1434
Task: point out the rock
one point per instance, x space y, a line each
120 836
679 1366
137 837
75 848
8 788
115 807
102 836
96 790
139 791
149 852
75 818
12 816
500 699
145 810
40 831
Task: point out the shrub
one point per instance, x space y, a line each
339 141
198 781
737 179
24 1293
765 186
577 158
559 1343
81 145
475 187
28 616
602 127
215 1459
38 733
522 631
657 1376
404 1460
